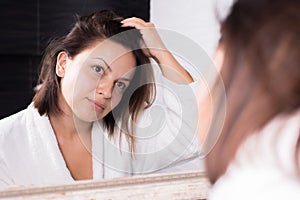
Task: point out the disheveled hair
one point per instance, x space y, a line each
86 31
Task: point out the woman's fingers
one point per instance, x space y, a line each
134 19
137 23
150 36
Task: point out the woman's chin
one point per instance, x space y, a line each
89 116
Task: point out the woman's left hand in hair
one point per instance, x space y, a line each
153 44
156 49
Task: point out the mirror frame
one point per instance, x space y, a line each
186 185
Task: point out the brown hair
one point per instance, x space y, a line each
261 72
87 30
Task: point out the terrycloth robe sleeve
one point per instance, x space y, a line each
166 132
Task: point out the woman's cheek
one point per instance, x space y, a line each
84 86
116 98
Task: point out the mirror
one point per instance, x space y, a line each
178 148
178 152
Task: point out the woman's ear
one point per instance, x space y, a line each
61 63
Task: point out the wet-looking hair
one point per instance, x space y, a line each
87 30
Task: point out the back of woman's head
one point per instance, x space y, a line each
261 72
88 31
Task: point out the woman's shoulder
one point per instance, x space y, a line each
277 137
265 163
16 122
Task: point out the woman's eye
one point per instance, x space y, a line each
121 85
98 69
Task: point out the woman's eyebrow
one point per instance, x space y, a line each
125 79
107 65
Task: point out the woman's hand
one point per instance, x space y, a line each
153 43
169 66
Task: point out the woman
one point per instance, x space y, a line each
95 83
257 153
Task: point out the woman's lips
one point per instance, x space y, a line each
97 106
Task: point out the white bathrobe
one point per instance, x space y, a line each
166 142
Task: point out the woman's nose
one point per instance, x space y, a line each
105 87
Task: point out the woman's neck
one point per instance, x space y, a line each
66 125
70 130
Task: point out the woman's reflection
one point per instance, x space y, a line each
88 117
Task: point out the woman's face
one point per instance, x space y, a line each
93 82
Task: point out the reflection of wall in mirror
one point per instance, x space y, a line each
195 19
